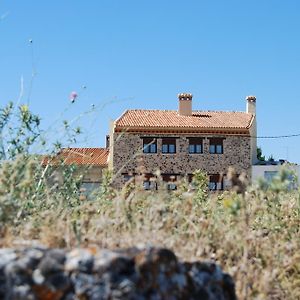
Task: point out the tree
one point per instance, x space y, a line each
260 157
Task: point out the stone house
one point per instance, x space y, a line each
89 163
179 142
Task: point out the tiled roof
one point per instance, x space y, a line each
165 119
79 156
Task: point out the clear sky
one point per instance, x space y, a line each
141 54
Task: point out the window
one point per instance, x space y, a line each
168 145
149 145
216 182
150 182
216 146
190 178
127 177
87 189
269 175
170 180
195 145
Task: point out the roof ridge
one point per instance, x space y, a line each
71 148
174 110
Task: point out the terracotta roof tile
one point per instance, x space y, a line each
170 119
79 156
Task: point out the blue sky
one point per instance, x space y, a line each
141 54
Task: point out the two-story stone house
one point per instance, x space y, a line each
179 142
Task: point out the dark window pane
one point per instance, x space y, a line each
212 149
216 182
195 141
169 141
146 185
172 186
212 186
216 141
127 177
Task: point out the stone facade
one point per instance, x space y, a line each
128 157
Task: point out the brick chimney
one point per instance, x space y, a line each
185 104
251 109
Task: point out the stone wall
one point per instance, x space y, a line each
128 156
147 273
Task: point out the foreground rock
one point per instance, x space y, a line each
150 273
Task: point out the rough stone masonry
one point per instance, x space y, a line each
135 273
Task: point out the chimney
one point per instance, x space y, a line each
185 104
251 105
251 109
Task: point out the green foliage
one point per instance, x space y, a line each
260 157
19 130
106 192
19 188
200 184
285 180
25 185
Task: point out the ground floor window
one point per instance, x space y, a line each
88 188
269 175
170 180
150 182
127 177
216 182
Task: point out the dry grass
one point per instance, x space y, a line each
253 236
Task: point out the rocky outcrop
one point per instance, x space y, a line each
148 273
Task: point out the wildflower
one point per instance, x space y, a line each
73 97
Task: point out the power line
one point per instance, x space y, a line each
276 137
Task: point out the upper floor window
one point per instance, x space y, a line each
216 146
195 145
216 182
168 145
149 145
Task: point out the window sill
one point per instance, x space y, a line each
196 153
